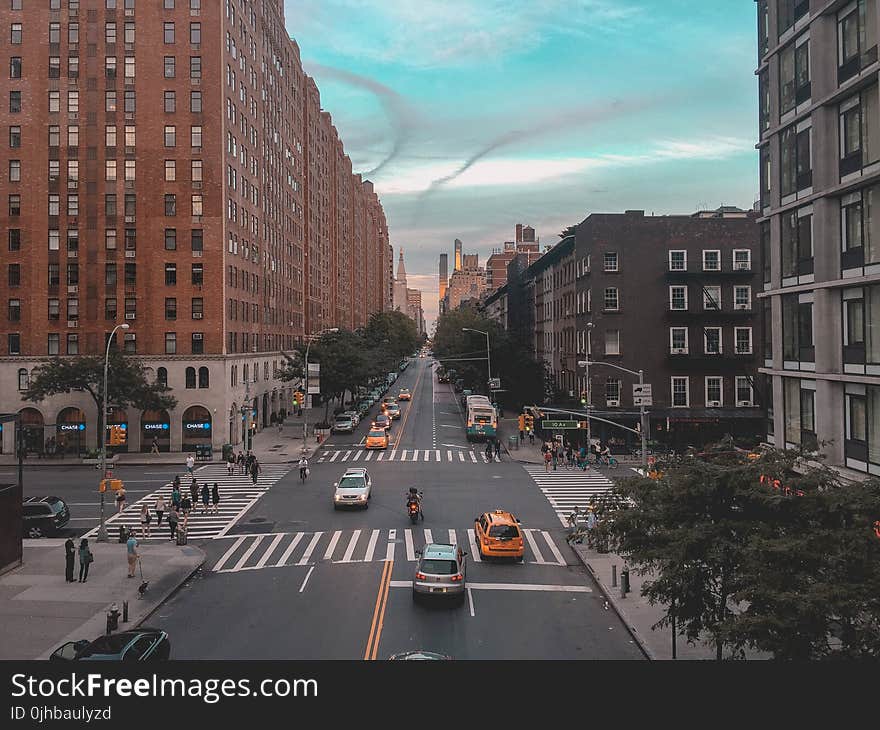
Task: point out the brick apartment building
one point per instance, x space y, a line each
168 165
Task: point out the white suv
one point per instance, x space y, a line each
353 489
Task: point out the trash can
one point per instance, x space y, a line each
513 442
227 451
181 536
123 534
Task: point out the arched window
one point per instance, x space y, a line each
190 377
204 378
162 376
22 379
245 373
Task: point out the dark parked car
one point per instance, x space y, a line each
140 645
44 516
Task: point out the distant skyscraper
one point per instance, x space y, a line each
457 255
444 274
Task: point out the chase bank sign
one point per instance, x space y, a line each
71 427
156 426
196 426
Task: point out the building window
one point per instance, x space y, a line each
53 347
190 378
170 308
54 309
609 261
130 308
765 176
14 239
198 307
859 146
170 239
54 271
54 204
170 204
129 71
170 102
170 170
110 170
742 259
856 38
170 135
714 392
15 67
196 136
196 205
14 310
612 342
170 274
612 391
800 428
162 376
110 309
196 240
797 242
712 298
611 300
72 344
195 67
861 242
743 339
794 75
797 329
712 260
195 33
168 33
744 391
796 167
195 102
170 343
15 204
15 171
14 274
680 392
198 275
712 340
678 298
14 137
742 297
678 260
198 348
15 33
678 340
130 170
169 66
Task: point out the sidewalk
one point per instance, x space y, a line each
40 611
635 611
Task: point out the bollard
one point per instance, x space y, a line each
624 582
125 612
112 619
614 576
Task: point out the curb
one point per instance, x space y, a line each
633 631
174 590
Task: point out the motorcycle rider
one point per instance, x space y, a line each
414 495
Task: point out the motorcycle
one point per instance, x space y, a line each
413 508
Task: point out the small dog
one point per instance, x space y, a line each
142 588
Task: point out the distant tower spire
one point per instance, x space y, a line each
401 271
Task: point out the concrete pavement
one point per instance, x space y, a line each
40 611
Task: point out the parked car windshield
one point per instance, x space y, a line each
439 567
503 531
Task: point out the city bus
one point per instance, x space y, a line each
482 421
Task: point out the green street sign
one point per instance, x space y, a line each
558 425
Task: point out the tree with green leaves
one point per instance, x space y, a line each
127 382
394 331
791 570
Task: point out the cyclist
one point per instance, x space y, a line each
605 455
303 468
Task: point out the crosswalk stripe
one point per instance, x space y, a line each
533 545
410 551
381 456
565 490
483 454
437 452
235 546
369 456
473 458
308 553
392 454
452 537
449 454
248 553
403 455
389 550
472 541
429 538
461 455
355 536
553 549
347 454
335 454
357 455
271 549
371 546
290 548
428 455
328 554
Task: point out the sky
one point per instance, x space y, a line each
471 116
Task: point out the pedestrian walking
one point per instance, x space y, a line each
173 519
190 464
175 496
522 436
194 491
488 450
69 557
230 464
572 520
120 499
280 428
206 497
154 449
531 438
160 510
240 462
133 555
591 525
255 469
497 445
547 458
215 498
146 518
85 560
185 505
249 462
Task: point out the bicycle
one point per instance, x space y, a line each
608 461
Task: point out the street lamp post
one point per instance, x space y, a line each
308 397
641 374
589 387
488 358
102 528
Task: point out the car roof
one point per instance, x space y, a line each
48 500
356 472
501 517
441 551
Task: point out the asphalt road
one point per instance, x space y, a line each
294 579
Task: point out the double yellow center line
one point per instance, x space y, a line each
379 612
399 436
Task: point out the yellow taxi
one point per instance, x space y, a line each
404 394
498 535
377 438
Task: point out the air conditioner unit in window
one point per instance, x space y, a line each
72 184
73 289
611 403
713 403
742 266
741 306
679 351
744 403
198 336
72 322
72 254
129 219
197 315
130 254
129 315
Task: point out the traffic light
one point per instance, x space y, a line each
117 435
583 397
298 399
522 422
529 423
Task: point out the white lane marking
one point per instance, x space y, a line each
357 455
389 550
328 553
308 575
448 425
247 554
454 446
474 458
472 541
471 600
461 455
428 536
335 454
534 546
369 456
355 536
448 454
229 552
410 551
347 454
308 553
556 554
371 546
290 548
268 553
